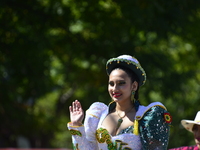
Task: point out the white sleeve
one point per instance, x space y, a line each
83 137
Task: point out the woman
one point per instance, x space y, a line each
124 124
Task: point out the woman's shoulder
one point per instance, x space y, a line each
97 108
153 107
155 104
156 108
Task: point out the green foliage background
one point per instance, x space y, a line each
54 51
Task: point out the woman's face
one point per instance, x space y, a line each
196 132
120 86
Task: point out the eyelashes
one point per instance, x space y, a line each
111 83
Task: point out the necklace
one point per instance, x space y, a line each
120 120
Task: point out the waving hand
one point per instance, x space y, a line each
76 113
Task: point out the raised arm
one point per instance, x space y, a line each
83 135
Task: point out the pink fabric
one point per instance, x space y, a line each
186 148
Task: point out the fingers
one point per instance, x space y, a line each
76 106
79 106
70 108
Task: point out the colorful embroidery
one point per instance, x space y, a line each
167 117
75 132
103 136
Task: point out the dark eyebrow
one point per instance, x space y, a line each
118 81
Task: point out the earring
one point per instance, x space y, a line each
132 96
133 92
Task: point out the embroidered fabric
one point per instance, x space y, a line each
118 142
154 131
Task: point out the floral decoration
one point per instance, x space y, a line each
168 117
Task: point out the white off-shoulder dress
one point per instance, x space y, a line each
154 122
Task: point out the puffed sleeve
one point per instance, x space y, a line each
154 128
83 137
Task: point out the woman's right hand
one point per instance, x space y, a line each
76 113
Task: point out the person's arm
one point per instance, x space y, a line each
155 128
79 140
83 136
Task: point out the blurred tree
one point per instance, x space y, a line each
52 52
